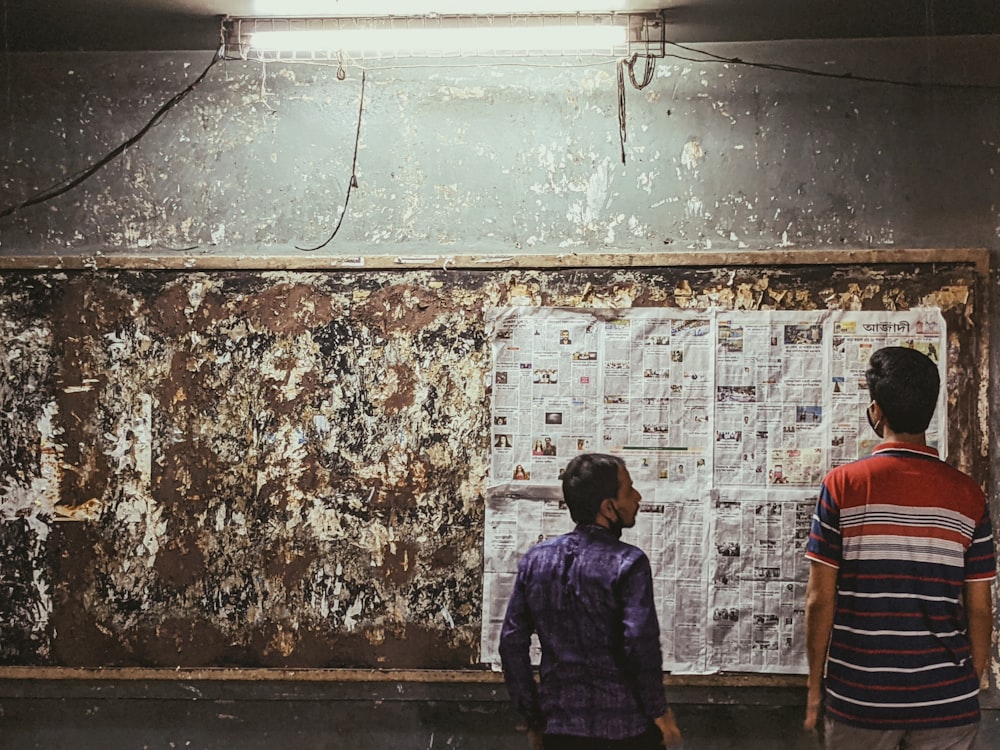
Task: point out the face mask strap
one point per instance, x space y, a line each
618 523
874 425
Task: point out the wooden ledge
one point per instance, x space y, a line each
284 260
414 676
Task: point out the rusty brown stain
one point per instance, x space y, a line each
310 478
400 563
291 563
443 557
284 308
399 498
81 313
166 310
76 552
181 561
402 396
170 640
400 308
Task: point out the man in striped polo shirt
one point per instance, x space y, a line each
898 610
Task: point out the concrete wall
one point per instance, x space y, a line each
494 157
506 156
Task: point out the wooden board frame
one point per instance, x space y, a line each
977 257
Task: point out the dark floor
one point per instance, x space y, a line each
214 725
287 720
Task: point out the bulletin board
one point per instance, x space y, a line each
284 463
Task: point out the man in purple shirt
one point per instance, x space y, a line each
589 597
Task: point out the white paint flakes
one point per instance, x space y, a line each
219 234
691 155
37 501
196 293
447 617
352 614
694 208
597 191
463 92
644 181
321 424
325 522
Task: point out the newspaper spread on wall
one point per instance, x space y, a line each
727 421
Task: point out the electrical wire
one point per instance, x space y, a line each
622 135
8 77
64 186
714 58
647 76
354 169
647 73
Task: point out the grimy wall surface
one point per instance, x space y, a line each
253 469
500 158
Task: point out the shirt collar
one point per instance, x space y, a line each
896 447
595 529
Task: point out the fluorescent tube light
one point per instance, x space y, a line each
441 36
355 8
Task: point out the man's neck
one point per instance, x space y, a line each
915 438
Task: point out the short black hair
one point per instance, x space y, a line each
589 479
905 383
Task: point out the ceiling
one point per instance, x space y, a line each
72 25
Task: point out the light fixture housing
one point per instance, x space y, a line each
436 36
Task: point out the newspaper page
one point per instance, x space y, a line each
854 337
637 384
758 578
727 421
517 516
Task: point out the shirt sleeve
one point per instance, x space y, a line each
515 657
643 658
824 545
980 558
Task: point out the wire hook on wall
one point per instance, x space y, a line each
647 76
341 73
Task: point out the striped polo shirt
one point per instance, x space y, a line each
906 532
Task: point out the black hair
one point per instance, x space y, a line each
589 479
905 383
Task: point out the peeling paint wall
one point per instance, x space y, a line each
288 468
508 155
235 468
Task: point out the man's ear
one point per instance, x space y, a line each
878 414
605 511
